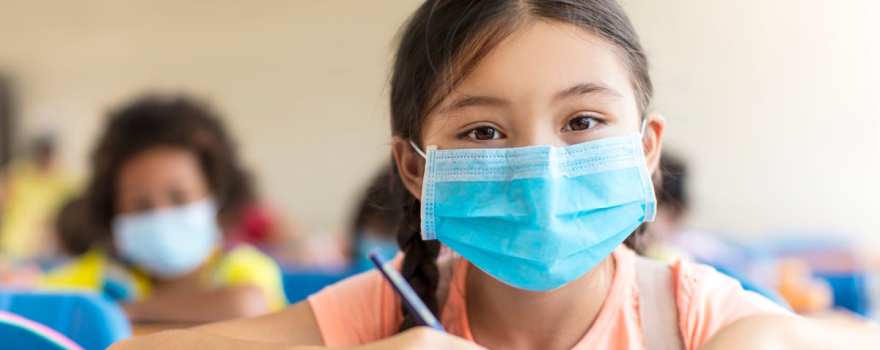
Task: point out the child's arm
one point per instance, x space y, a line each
790 332
199 306
293 325
281 330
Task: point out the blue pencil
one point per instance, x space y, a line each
410 299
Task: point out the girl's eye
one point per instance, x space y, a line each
582 123
484 133
142 204
178 197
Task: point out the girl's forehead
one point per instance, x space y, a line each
540 59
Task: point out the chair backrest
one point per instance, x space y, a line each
20 333
299 283
835 260
88 319
849 289
657 309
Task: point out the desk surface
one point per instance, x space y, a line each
144 328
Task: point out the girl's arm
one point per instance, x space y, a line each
199 306
788 332
291 329
293 325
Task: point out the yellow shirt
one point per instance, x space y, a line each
242 266
32 201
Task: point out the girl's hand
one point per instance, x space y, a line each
422 338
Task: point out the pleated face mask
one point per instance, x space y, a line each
537 218
169 242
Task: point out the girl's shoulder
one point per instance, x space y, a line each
364 308
96 271
708 300
81 272
245 265
357 310
244 258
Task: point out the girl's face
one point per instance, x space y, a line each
162 177
546 84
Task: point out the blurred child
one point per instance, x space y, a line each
372 227
165 174
36 188
673 205
670 239
374 224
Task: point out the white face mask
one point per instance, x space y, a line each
169 243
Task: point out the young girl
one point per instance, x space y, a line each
164 175
523 138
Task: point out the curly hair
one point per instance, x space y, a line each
154 121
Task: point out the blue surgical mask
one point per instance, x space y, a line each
537 218
169 243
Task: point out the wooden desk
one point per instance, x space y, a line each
144 328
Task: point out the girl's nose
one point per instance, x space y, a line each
536 131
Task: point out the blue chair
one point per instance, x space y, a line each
849 290
88 319
20 333
299 283
833 260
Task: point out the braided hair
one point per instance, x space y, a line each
441 43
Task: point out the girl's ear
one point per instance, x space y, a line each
653 140
410 165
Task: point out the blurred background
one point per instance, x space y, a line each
774 107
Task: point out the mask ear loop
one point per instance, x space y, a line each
644 126
417 149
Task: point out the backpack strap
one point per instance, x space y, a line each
657 308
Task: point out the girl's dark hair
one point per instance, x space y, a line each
155 121
440 45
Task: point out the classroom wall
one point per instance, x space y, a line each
301 83
773 102
776 105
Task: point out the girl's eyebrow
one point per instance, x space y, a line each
587 89
491 101
475 100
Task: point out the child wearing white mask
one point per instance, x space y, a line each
164 176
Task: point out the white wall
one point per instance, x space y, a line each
302 83
774 102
